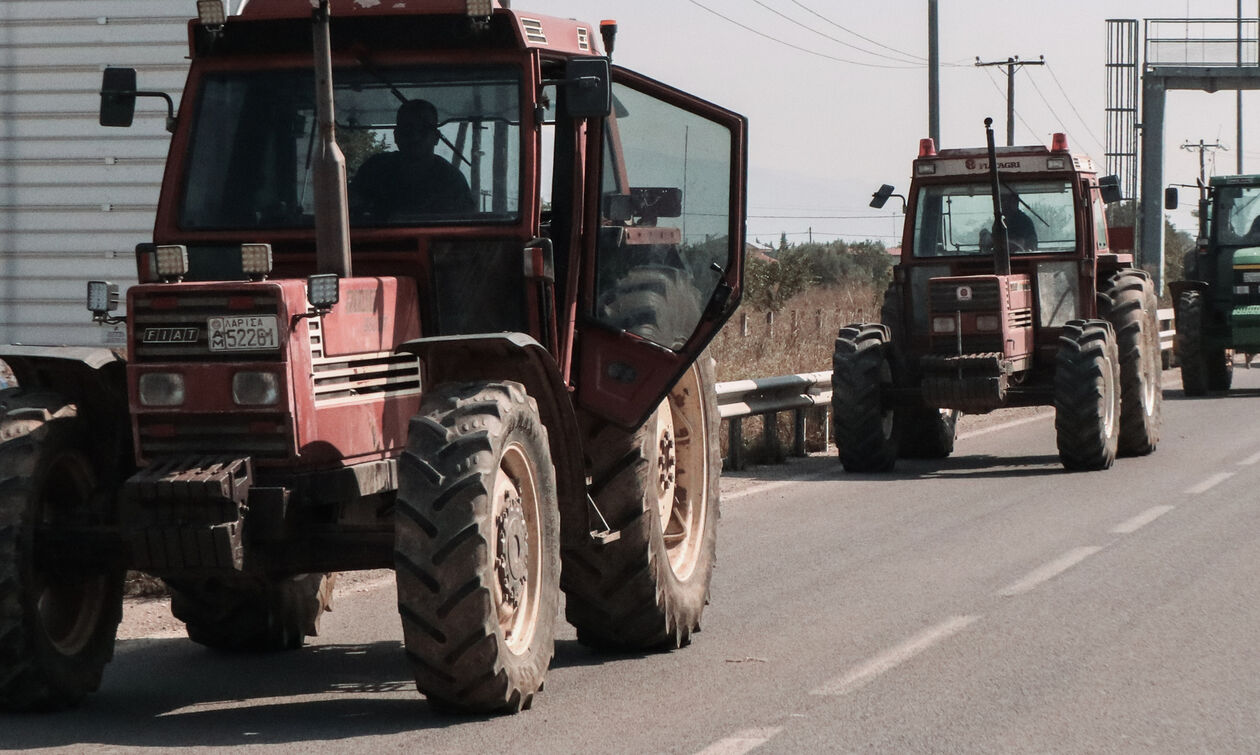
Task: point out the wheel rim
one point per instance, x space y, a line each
1151 376
1109 400
887 417
69 605
517 544
681 474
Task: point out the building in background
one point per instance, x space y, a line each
76 198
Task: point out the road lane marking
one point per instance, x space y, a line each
771 486
741 742
1004 426
1141 520
1209 483
1250 460
1049 571
893 657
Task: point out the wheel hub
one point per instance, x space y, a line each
666 464
512 562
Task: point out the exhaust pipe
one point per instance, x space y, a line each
332 204
1001 240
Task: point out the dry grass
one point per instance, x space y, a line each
798 339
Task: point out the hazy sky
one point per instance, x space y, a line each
829 123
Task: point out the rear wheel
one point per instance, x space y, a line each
477 548
658 489
57 621
863 416
1087 395
926 432
252 615
1134 315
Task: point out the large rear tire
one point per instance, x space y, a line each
1087 395
657 488
57 622
252 615
1134 315
863 416
477 548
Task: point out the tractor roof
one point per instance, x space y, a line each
533 30
974 161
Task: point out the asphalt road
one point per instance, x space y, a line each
990 602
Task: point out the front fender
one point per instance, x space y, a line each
518 357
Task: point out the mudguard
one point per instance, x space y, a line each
518 357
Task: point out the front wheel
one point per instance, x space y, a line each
477 548
863 415
57 622
1087 395
926 432
657 487
1188 344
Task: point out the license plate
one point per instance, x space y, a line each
243 333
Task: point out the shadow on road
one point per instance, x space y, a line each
171 693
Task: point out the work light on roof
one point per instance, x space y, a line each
256 260
172 262
211 12
480 8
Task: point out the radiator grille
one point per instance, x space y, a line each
534 30
350 378
257 435
945 296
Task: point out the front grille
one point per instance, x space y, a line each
181 322
1021 318
944 295
257 435
534 30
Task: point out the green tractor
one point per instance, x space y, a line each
1218 302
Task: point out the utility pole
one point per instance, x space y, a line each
1012 65
1203 148
1238 94
934 74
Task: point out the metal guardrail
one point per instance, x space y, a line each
766 397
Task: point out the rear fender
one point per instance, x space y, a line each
517 357
95 380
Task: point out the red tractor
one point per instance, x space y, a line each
438 303
1007 294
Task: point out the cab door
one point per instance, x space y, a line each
663 243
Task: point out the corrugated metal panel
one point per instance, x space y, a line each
76 198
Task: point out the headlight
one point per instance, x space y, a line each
255 388
161 389
1244 290
988 322
942 325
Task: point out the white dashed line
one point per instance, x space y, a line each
769 486
860 676
1049 571
1141 520
1250 460
1209 483
741 742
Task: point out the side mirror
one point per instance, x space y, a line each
118 97
880 198
1170 198
1109 189
587 88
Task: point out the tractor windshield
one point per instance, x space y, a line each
1237 215
424 145
958 220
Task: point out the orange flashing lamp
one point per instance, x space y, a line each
608 30
1058 143
927 147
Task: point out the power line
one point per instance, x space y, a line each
1057 117
1074 110
998 87
859 36
798 48
824 35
